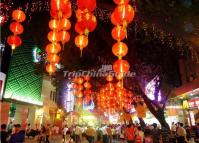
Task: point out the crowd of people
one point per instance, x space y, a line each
131 133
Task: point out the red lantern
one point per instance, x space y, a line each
80 80
86 5
87 99
18 15
119 33
120 49
80 87
55 24
50 68
121 66
87 78
16 28
123 15
53 58
87 92
14 41
109 78
53 36
78 28
64 37
81 41
87 85
119 2
87 23
53 48
65 24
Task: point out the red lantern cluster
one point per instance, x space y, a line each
86 22
82 89
16 28
122 15
59 24
113 98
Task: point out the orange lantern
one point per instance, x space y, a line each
16 28
87 92
79 94
14 41
78 29
55 24
53 36
18 15
120 49
66 25
53 58
80 80
50 68
119 2
64 37
119 76
53 48
81 41
109 78
123 14
119 33
121 66
80 87
87 78
87 85
119 84
86 5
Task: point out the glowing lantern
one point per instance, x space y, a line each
118 2
87 78
81 41
119 84
14 41
18 15
86 5
79 94
50 68
87 92
80 87
53 58
123 14
64 36
87 85
53 48
119 49
109 78
121 66
78 28
53 36
55 24
65 23
16 28
119 33
87 23
80 80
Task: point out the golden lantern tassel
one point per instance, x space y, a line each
81 49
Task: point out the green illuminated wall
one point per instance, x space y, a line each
22 83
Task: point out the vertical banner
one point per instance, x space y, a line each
24 117
2 83
4 110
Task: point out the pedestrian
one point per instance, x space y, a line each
65 130
84 139
155 132
181 134
197 133
130 133
4 134
140 136
18 136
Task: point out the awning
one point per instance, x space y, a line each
188 88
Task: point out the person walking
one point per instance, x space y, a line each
130 133
155 132
4 134
140 136
181 134
18 136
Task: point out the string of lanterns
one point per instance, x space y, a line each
82 89
16 28
59 24
122 15
86 22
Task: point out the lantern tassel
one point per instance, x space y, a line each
81 52
62 46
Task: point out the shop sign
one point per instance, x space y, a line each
194 103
